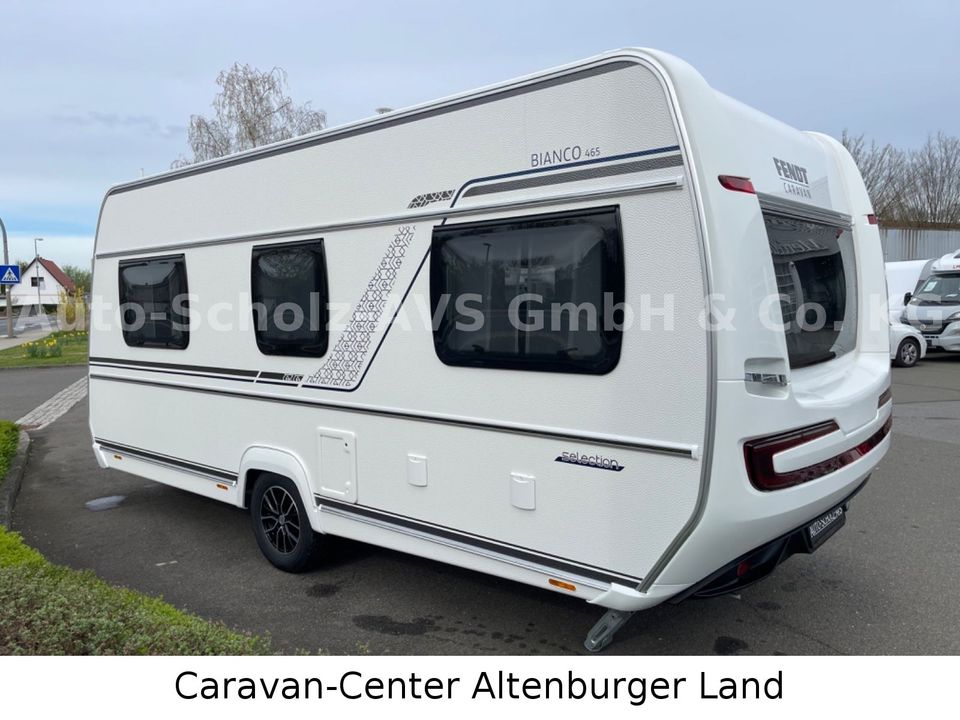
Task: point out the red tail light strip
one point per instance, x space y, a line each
759 453
737 184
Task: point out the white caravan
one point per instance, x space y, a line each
625 463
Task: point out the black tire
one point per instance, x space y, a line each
908 354
281 525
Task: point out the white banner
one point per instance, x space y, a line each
734 687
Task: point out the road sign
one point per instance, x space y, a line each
9 274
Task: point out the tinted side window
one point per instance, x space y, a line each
533 293
289 289
153 302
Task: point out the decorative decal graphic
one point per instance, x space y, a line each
427 198
598 462
345 362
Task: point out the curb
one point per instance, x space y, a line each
11 484
44 367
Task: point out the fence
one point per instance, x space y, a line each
917 244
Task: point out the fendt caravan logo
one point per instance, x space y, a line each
794 178
592 461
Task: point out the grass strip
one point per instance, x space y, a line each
59 348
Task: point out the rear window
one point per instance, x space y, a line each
816 278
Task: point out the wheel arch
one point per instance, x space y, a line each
259 459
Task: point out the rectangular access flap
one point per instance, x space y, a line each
338 464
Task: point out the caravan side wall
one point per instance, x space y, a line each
465 463
397 447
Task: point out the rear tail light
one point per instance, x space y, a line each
872 219
739 184
758 455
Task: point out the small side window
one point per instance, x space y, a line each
153 302
289 292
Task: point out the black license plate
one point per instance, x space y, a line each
823 528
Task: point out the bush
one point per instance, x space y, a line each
9 435
72 310
13 553
52 344
47 609
45 347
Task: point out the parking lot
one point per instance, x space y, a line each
887 583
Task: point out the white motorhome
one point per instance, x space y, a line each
934 308
686 453
903 277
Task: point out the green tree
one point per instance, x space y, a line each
80 276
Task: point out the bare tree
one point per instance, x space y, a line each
885 173
916 187
251 109
934 192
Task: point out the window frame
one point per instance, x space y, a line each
131 262
611 340
272 349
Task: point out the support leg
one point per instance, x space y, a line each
602 633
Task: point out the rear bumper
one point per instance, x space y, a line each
737 518
755 565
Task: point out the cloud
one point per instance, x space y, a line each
96 93
138 124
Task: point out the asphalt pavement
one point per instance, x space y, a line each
887 583
21 390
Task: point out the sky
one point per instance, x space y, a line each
96 93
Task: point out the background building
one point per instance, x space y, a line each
51 280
